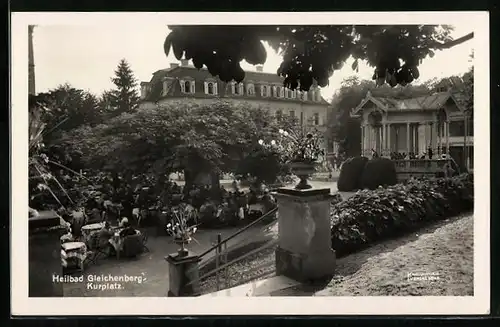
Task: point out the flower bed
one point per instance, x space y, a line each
371 216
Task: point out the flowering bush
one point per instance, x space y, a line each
179 227
297 145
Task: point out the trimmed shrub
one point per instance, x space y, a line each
372 216
350 174
379 172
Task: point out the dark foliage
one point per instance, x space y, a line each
379 172
351 173
372 216
311 53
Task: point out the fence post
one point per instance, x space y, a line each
226 270
217 260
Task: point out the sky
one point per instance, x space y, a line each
86 56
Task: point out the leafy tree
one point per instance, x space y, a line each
65 108
312 53
125 97
184 136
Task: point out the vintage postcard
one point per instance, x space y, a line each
250 163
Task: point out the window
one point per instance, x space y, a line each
187 86
211 88
294 94
282 92
250 89
279 114
263 90
292 113
275 91
236 89
316 119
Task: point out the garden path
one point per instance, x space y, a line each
443 250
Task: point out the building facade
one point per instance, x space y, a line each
258 88
411 126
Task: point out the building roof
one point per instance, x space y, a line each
174 74
429 102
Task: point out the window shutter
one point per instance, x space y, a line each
282 91
182 86
262 90
268 91
193 87
215 88
206 88
305 96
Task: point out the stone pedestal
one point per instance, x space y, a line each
183 274
45 255
304 250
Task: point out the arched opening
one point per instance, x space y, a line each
187 87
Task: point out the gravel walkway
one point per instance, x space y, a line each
436 261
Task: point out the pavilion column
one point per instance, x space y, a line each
447 135
363 139
435 139
407 138
389 148
384 139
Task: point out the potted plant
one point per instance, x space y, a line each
301 150
180 230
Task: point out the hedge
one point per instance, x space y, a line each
371 216
379 172
350 174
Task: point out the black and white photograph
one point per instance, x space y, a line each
324 163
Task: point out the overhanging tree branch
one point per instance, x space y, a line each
460 40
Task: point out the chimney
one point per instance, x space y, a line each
184 62
260 68
174 65
31 62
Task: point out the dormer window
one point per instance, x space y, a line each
282 92
263 90
250 89
187 86
237 88
275 91
144 90
211 88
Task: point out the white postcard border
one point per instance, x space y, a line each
23 305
